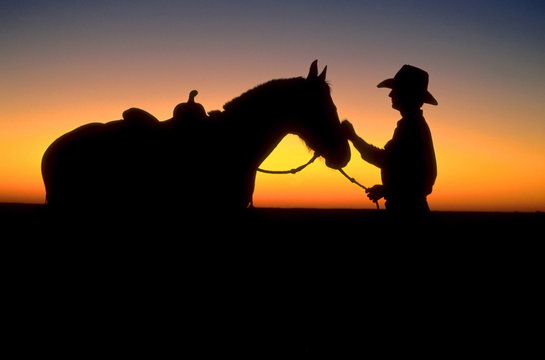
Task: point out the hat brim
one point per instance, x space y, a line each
429 99
390 84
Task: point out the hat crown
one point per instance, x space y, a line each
411 76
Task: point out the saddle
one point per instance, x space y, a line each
188 111
139 117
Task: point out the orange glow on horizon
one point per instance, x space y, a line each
71 63
479 168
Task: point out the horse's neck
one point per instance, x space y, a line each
262 117
258 135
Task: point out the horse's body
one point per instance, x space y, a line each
191 161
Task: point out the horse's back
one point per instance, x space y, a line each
97 163
140 165
63 159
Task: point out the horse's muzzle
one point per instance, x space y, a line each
338 159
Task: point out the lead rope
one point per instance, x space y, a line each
353 181
314 157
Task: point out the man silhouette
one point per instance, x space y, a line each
407 162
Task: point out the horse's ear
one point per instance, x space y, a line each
313 72
323 74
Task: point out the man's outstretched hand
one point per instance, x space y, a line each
375 193
348 129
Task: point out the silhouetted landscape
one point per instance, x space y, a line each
149 243
144 249
286 282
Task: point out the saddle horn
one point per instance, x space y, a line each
192 94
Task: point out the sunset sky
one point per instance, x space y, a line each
67 63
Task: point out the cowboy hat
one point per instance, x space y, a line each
411 78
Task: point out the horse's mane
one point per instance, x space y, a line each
266 91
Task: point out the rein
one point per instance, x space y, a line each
314 157
292 171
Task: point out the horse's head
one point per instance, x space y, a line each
319 124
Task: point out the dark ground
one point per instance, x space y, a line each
283 282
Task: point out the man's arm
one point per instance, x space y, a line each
368 152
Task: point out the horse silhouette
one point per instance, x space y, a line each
194 160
